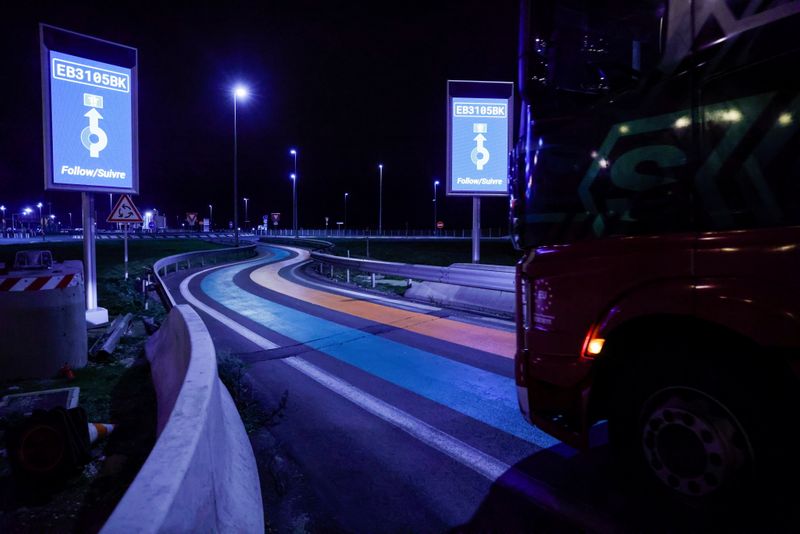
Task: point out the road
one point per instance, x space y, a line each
404 417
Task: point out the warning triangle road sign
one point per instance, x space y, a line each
125 211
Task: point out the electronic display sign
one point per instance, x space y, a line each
89 114
479 128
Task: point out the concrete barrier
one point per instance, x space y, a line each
42 321
201 475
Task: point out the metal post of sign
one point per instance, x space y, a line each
94 314
125 226
89 256
476 229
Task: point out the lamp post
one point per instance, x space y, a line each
27 212
3 209
210 217
238 92
70 220
380 198
345 208
435 187
246 218
293 152
41 221
293 176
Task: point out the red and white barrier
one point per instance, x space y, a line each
40 283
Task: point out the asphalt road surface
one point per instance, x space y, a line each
401 417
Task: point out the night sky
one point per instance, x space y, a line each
349 84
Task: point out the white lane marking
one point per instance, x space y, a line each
484 464
230 323
456 449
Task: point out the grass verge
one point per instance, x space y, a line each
119 391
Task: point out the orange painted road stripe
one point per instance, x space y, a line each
477 337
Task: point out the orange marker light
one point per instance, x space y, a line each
595 346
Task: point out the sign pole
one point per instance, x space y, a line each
476 229
94 314
126 249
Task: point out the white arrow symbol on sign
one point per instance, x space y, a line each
480 149
95 147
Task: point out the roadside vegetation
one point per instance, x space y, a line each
115 390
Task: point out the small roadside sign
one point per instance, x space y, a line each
439 224
191 218
125 211
276 217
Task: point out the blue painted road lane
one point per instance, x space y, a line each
482 395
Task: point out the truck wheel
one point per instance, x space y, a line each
692 442
704 431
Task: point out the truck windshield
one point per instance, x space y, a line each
646 118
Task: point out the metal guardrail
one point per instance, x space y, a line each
496 277
162 267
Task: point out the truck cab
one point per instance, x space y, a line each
655 194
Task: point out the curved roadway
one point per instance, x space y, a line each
400 416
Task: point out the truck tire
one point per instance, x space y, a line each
705 430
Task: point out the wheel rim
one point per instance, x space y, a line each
692 442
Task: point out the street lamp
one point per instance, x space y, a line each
41 221
238 92
3 209
380 199
246 218
27 212
293 176
70 220
435 187
293 152
210 217
345 208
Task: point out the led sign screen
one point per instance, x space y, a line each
90 124
479 137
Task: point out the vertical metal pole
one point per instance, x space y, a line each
126 250
89 255
380 200
294 197
476 229
235 179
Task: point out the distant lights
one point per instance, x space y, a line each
293 176
604 163
624 129
682 122
726 115
240 91
293 152
785 119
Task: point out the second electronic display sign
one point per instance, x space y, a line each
479 131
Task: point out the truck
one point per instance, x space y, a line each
654 191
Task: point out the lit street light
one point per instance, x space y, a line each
435 186
3 209
293 152
380 199
210 217
293 176
238 92
70 220
246 218
41 221
345 209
